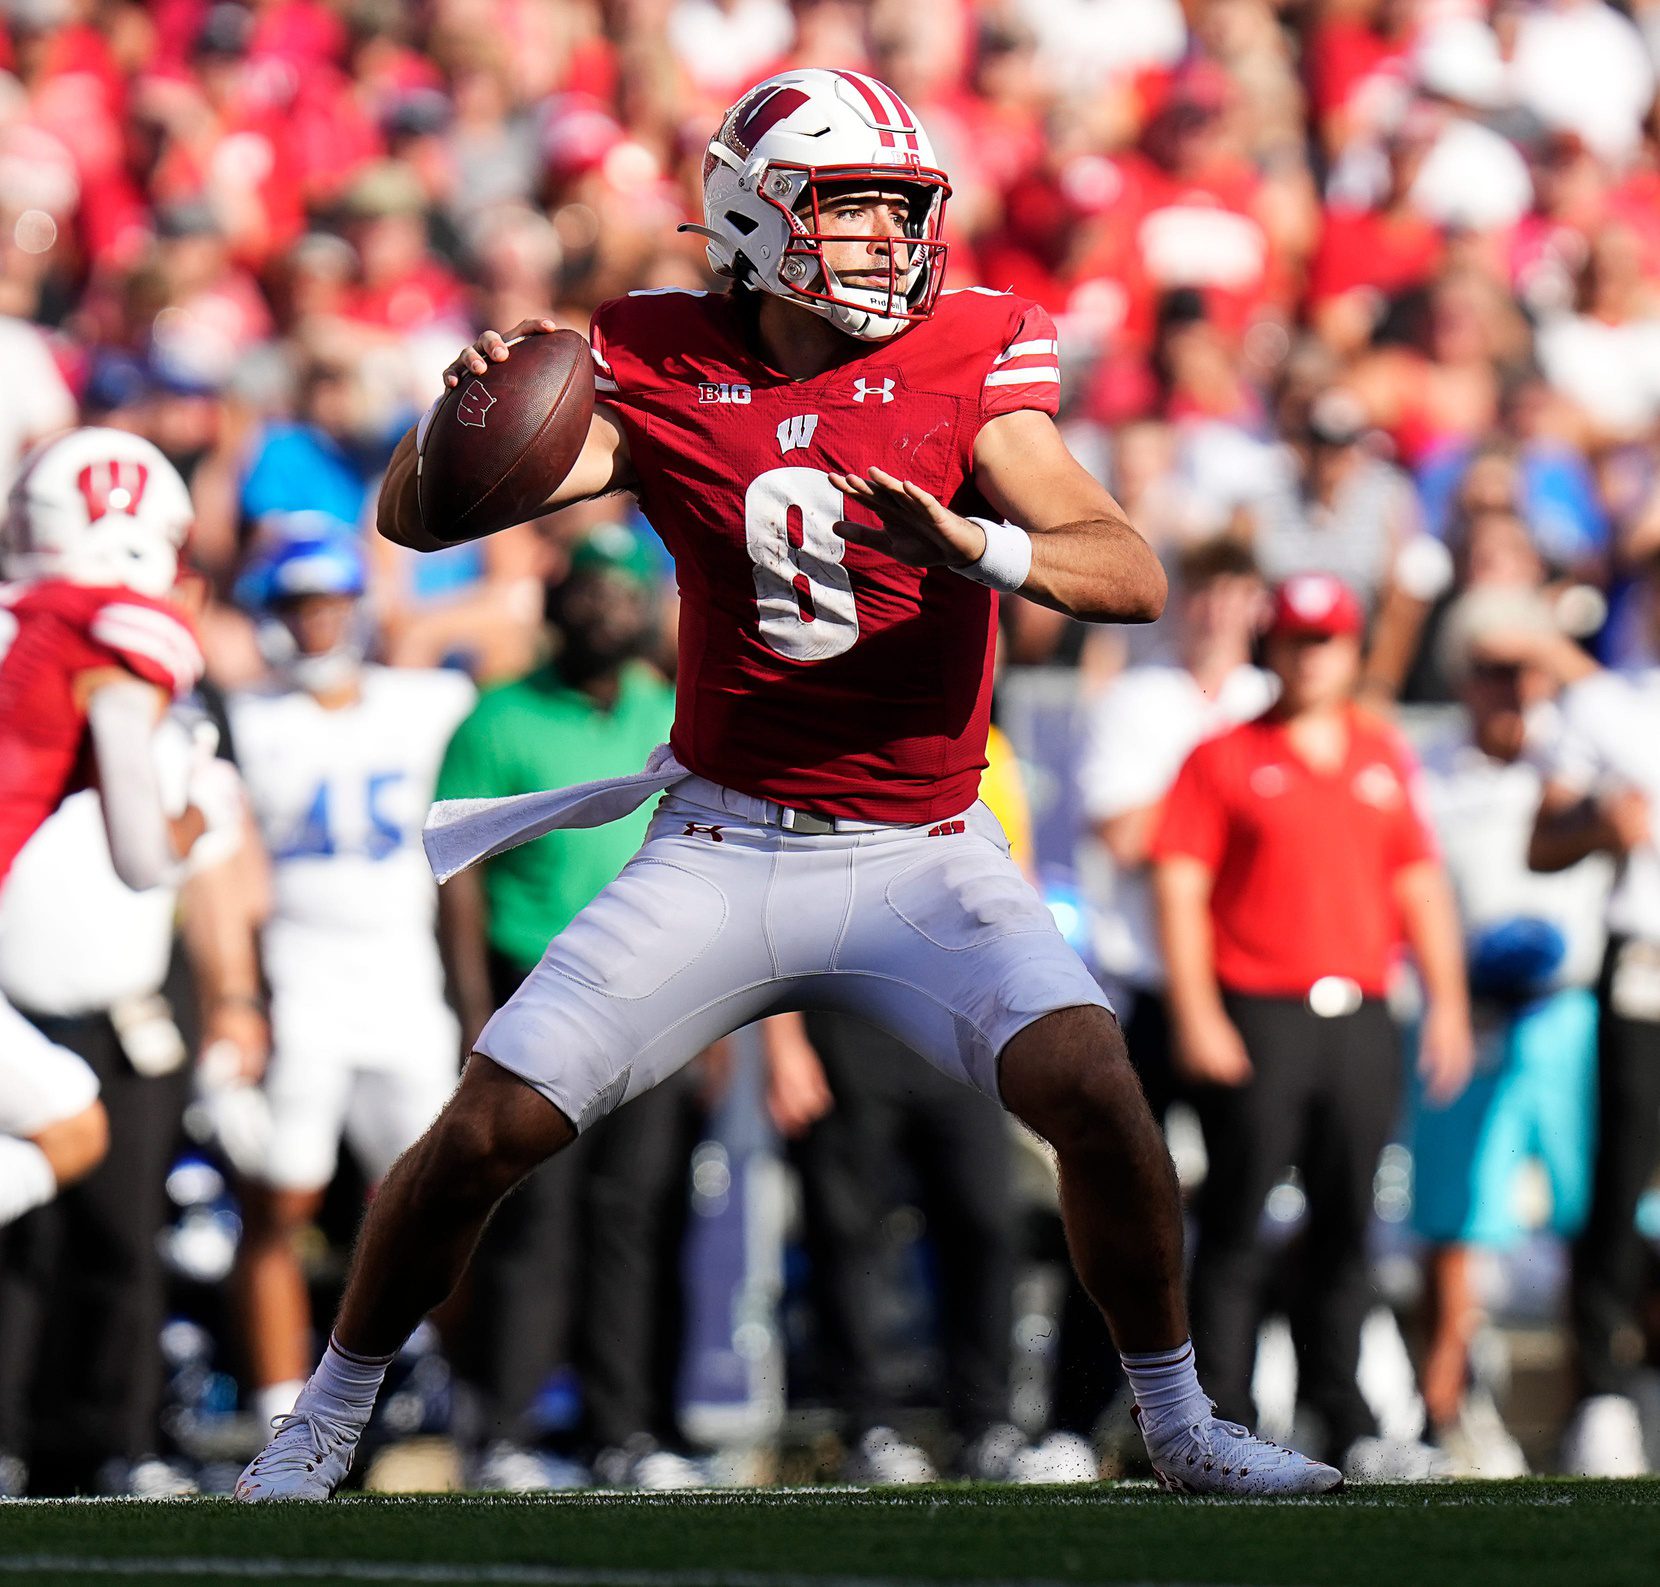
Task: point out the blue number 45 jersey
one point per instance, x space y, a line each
340 797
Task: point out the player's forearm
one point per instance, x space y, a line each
463 918
121 719
1563 835
1098 570
219 926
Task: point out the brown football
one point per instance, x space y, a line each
501 442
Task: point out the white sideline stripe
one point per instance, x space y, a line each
271 1569
1050 376
1021 349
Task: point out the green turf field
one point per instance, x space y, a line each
1588 1534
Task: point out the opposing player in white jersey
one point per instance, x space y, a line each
340 757
91 650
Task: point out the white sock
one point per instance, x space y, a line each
345 1385
276 1399
1165 1382
26 1178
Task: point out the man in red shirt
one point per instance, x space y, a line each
845 464
1292 864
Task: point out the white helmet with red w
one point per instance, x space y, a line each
98 507
778 149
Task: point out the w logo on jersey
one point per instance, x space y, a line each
797 431
883 389
112 487
474 404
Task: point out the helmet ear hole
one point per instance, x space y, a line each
741 223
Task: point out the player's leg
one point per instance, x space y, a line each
670 957
1068 1077
1465 1157
306 1089
272 1296
948 947
53 1128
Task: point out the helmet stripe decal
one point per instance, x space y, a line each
874 105
898 116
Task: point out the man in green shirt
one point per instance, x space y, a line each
570 1270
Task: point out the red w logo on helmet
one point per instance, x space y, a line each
112 486
755 121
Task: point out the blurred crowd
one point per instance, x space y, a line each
1364 288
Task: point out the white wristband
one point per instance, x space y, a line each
1007 559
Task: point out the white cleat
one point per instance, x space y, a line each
1216 1457
308 1458
1605 1439
883 1459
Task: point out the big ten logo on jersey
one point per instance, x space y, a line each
724 391
344 817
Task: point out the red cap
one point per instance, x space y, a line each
1316 603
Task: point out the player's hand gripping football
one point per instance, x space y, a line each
491 348
915 527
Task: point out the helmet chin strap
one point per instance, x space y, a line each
866 322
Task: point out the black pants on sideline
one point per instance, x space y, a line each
893 1107
580 1265
1610 1256
1324 1097
82 1291
1087 1373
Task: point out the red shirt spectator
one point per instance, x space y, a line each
1303 859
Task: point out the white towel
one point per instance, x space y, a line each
461 832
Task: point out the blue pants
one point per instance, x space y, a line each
1532 1097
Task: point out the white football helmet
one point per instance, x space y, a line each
98 507
777 149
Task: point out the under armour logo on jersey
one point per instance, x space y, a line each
883 389
797 431
723 391
693 828
474 404
112 487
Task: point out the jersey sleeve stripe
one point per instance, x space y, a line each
1050 348
180 657
599 360
1050 376
601 383
152 635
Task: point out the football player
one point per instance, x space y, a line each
340 758
92 651
847 464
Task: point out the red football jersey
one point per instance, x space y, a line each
50 633
825 676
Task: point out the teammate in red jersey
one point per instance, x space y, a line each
846 464
91 653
